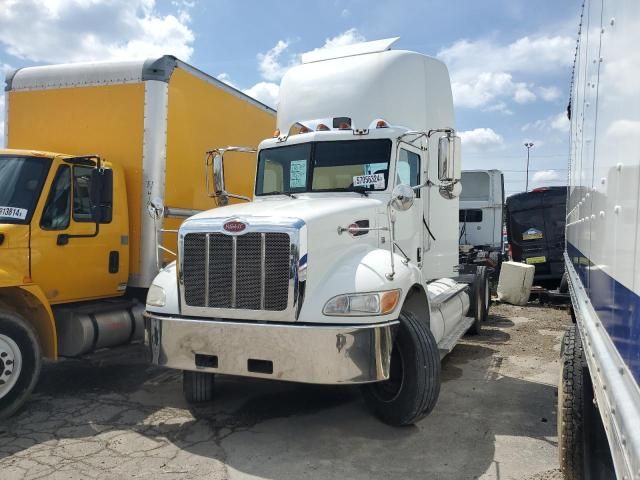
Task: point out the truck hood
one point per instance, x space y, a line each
308 208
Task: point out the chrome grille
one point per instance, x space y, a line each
250 271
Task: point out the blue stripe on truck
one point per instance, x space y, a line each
618 308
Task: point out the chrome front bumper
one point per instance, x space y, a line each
299 353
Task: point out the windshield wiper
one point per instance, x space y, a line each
361 190
281 193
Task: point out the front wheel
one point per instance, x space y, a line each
413 386
20 362
197 386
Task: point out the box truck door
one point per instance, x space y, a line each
73 260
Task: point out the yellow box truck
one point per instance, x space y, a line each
78 227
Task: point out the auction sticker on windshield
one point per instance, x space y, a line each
13 212
298 174
375 180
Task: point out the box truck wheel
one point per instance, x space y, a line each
479 300
413 387
20 361
197 386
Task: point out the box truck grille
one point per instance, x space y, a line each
249 271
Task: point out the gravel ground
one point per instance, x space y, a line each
115 417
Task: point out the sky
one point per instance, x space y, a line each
509 60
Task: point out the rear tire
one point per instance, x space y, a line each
480 300
582 440
414 384
198 387
20 362
570 406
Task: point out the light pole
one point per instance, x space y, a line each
528 145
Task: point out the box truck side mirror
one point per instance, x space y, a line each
101 194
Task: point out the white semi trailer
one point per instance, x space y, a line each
482 217
599 396
344 267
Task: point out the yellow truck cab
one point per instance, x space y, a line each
78 230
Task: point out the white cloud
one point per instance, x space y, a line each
549 93
270 63
545 176
499 107
483 71
480 139
349 37
522 94
560 122
274 63
83 30
265 92
224 77
557 123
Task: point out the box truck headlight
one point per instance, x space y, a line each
156 296
359 304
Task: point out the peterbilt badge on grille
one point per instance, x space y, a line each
234 226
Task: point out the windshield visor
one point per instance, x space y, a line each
342 166
21 180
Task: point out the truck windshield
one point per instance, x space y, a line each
21 180
342 166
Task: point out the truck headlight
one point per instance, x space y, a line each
360 304
156 296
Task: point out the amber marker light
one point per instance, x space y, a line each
388 301
276 133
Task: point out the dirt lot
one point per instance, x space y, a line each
119 418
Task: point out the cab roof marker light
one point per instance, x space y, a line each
322 128
276 134
305 129
344 126
382 124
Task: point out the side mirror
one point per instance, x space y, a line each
101 194
218 175
449 165
402 197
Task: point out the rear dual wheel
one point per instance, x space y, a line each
480 300
20 362
412 390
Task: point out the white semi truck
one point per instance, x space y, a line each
599 393
344 267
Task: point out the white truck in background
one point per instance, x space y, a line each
344 267
599 392
482 217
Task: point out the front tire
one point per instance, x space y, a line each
197 386
20 362
412 390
